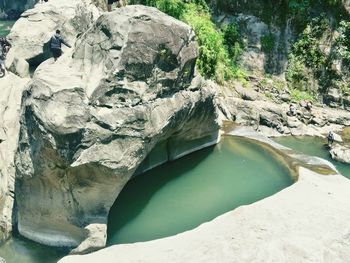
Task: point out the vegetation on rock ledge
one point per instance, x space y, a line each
319 33
219 49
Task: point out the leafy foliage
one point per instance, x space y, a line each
298 95
307 59
299 7
173 8
233 41
267 43
344 41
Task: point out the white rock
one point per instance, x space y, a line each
340 153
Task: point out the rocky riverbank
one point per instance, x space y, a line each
247 107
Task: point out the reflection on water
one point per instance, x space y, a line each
314 146
181 195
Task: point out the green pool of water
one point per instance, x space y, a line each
183 194
5 27
313 146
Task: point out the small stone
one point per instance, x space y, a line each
247 93
319 121
285 97
293 122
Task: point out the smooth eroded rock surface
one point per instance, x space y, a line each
126 91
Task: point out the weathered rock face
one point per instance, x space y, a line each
93 117
27 38
10 104
256 58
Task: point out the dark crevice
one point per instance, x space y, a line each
34 62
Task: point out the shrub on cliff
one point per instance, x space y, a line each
213 60
308 60
218 50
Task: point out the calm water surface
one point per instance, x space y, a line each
313 146
183 194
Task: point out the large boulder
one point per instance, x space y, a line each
247 93
125 100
